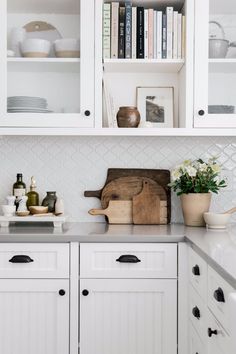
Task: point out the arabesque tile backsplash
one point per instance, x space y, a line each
71 165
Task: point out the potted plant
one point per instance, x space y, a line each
194 181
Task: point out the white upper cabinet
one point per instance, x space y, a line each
215 64
64 80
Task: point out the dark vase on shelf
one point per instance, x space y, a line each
128 117
50 201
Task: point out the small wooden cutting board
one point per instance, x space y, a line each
146 206
117 212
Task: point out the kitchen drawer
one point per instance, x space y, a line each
218 297
198 313
198 273
128 260
47 260
219 341
195 344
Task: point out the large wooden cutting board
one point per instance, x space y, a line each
117 212
162 177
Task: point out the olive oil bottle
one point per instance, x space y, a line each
33 197
19 187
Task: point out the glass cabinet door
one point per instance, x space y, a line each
215 64
47 63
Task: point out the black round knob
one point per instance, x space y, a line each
62 292
85 292
201 112
87 113
196 312
219 295
211 331
196 270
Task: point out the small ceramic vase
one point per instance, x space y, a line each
11 200
128 117
59 207
22 204
50 201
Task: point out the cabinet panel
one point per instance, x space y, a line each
195 344
218 343
128 316
198 273
34 318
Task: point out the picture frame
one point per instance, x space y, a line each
156 106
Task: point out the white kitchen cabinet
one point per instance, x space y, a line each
128 316
214 78
66 83
34 316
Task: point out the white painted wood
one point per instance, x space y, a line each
128 316
219 309
39 7
49 260
199 282
98 64
57 221
143 65
232 316
200 324
183 293
34 318
226 65
74 297
195 344
3 60
220 343
156 260
44 65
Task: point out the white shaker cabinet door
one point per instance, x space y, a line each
34 317
128 316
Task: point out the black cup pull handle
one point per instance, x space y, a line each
219 295
21 258
196 312
128 258
196 270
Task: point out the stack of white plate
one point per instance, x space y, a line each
27 104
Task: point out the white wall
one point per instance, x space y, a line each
71 165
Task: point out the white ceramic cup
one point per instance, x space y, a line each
8 210
16 37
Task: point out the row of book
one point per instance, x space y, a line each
131 32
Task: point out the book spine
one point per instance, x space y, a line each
179 54
183 36
169 15
159 34
121 43
140 33
164 37
175 35
155 35
114 29
146 46
134 32
106 31
128 30
150 33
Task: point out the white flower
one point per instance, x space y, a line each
176 174
216 168
187 163
191 171
203 167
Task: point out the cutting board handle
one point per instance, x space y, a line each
97 212
95 194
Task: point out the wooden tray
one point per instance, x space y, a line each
57 221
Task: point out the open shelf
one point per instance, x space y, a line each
143 65
44 64
223 65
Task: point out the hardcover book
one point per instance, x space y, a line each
121 44
140 33
128 30
114 29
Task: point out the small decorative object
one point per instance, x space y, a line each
50 201
35 210
22 204
59 207
155 105
11 200
193 181
8 210
128 117
218 47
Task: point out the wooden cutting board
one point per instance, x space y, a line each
162 177
124 188
117 212
147 207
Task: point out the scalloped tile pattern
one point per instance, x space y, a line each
71 165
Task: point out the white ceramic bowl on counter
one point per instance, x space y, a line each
35 48
216 221
8 210
67 48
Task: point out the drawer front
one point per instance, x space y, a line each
128 260
198 273
195 343
198 314
218 343
34 260
218 297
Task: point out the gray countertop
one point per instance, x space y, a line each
217 247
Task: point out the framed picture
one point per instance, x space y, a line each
155 105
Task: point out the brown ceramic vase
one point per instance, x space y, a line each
128 117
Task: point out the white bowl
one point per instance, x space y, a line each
67 48
35 48
8 210
216 221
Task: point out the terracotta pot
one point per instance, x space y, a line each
193 207
128 117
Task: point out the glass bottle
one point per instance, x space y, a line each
50 201
19 187
33 197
